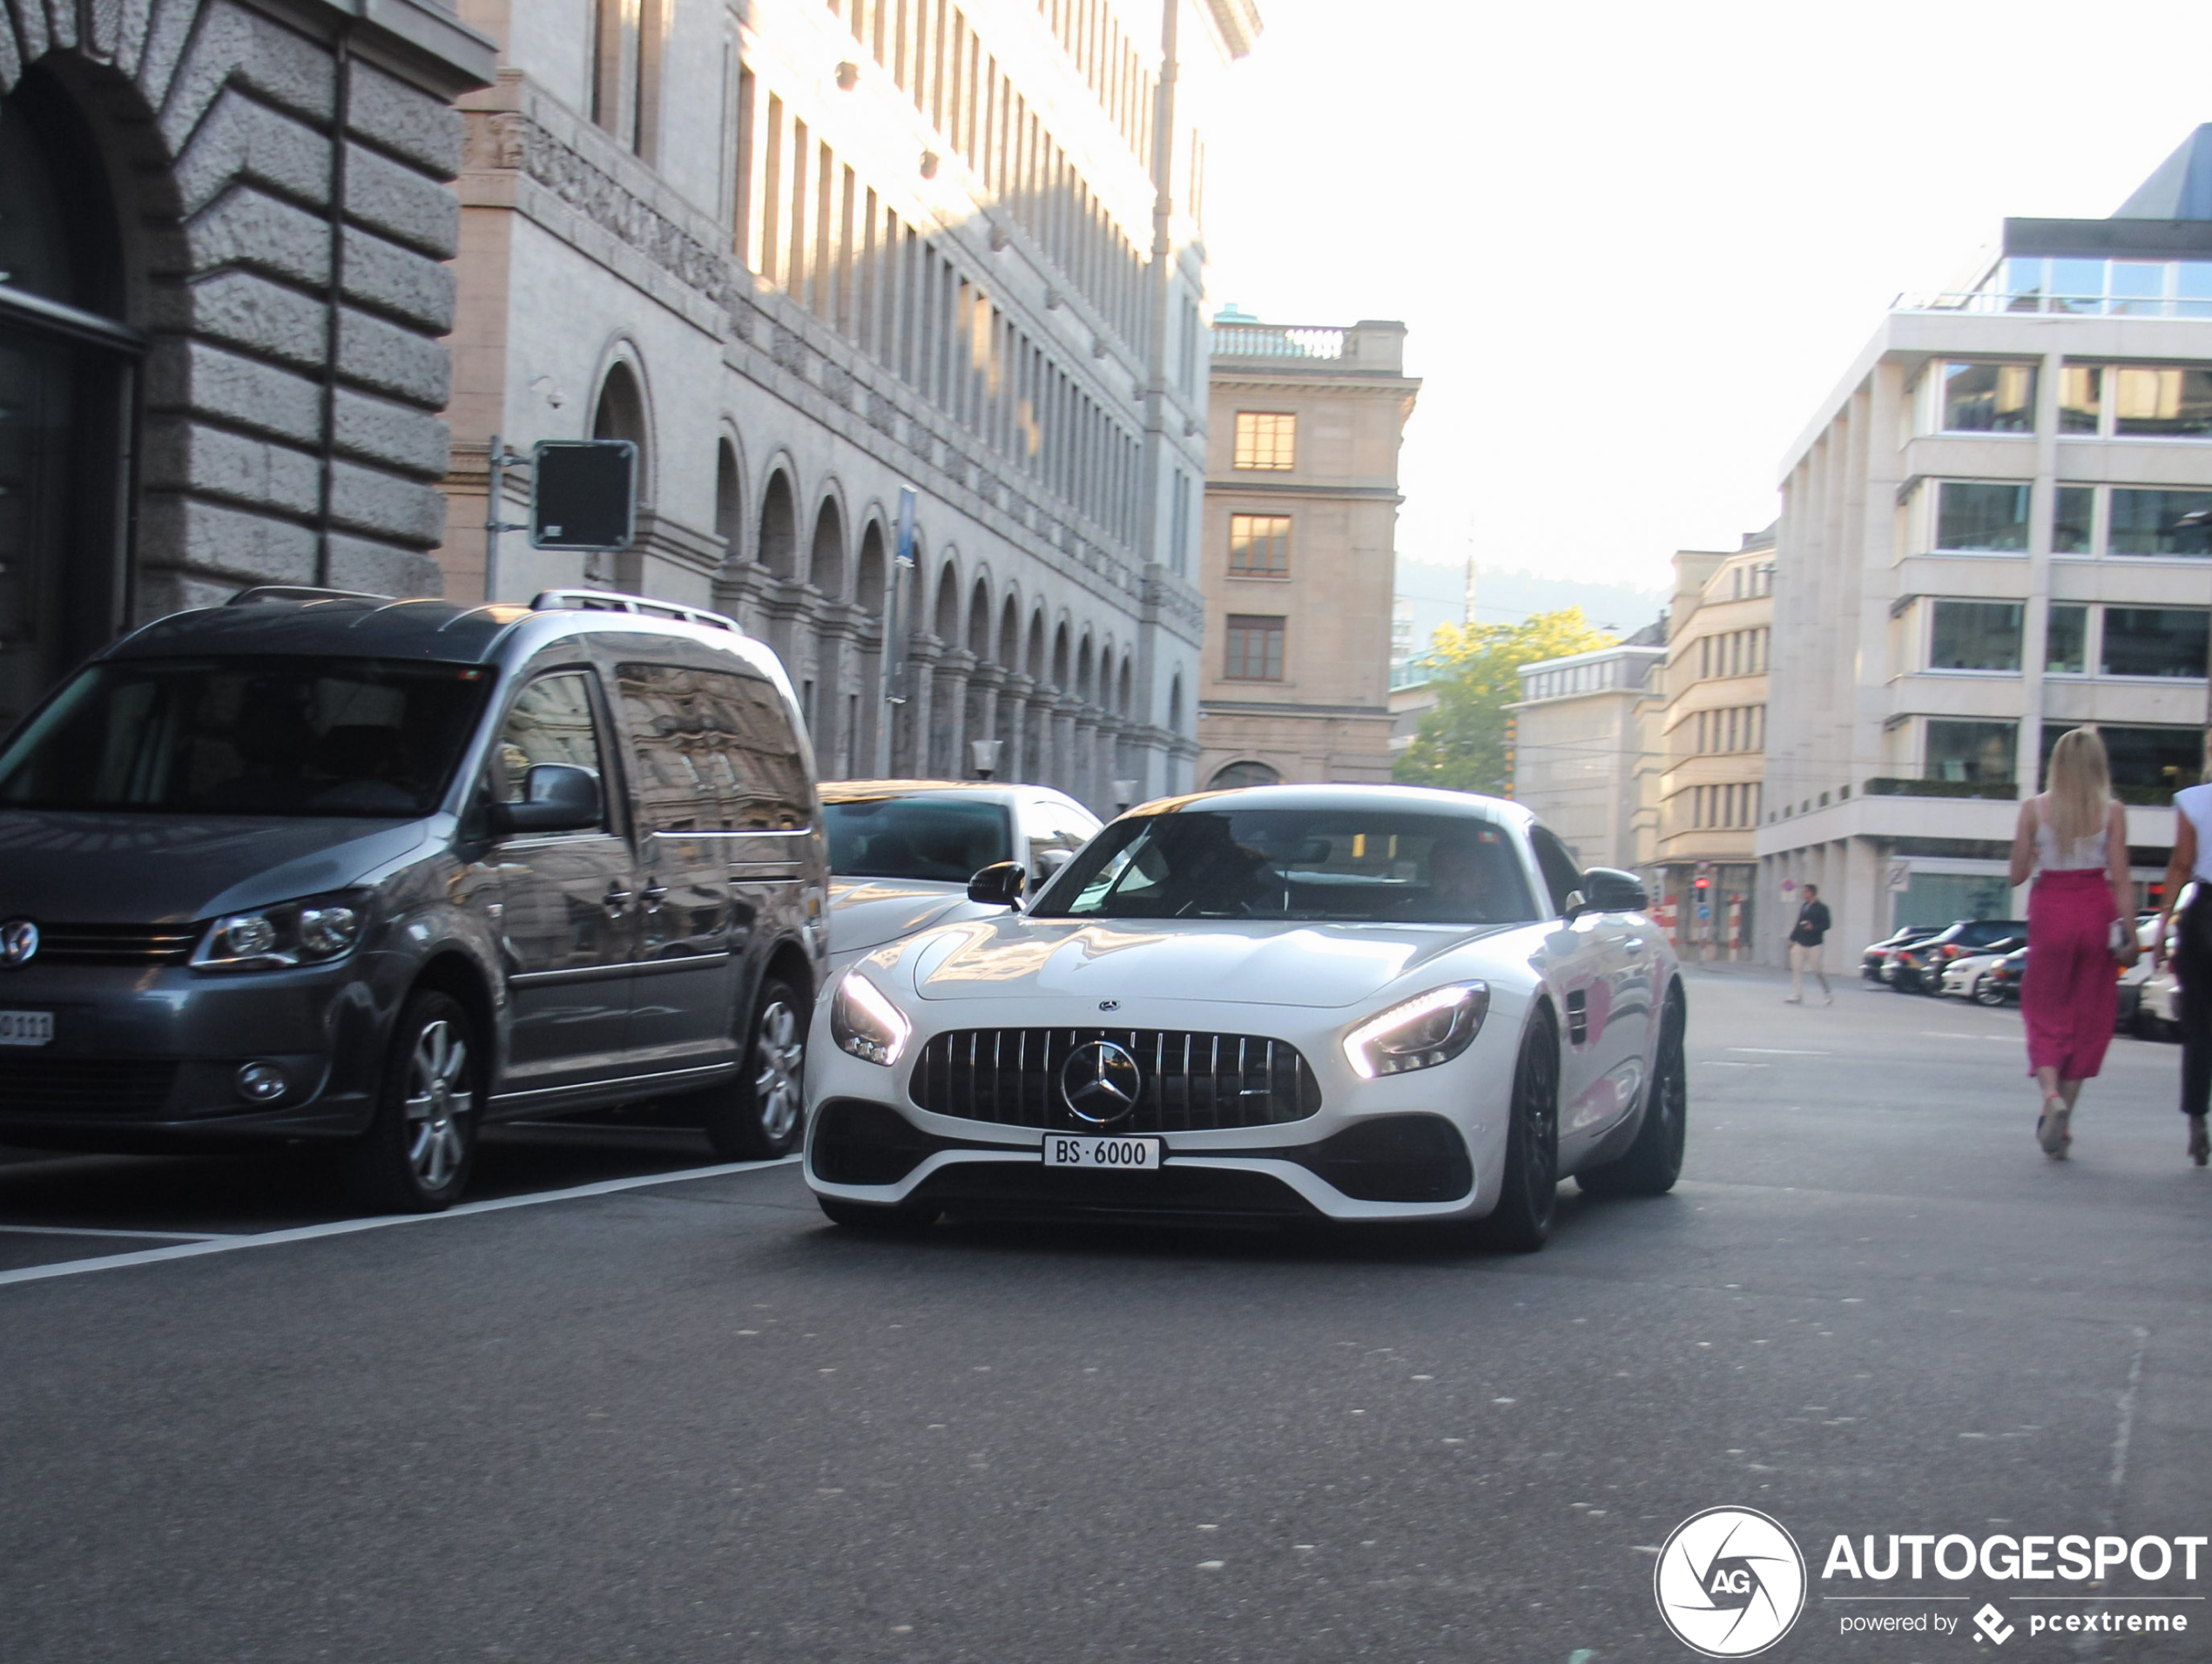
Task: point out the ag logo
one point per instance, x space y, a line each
1730 1582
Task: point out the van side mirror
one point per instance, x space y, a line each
1607 889
557 798
997 886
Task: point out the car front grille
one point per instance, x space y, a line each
84 1085
1190 1082
116 944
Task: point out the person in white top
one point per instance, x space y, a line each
2192 950
2074 838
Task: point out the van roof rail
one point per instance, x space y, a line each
609 601
261 593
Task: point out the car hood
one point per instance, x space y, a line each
867 912
1248 961
120 869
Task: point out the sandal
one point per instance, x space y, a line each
2200 1141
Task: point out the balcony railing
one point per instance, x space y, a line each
1894 787
1992 301
1278 340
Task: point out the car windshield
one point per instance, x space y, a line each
1370 866
933 836
264 736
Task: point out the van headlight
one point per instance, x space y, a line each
1419 1034
864 1021
313 930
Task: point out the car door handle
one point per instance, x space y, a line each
1635 944
617 901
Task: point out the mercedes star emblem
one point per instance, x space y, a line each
1100 1082
18 942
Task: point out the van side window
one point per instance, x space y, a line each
715 751
1561 877
1054 836
551 722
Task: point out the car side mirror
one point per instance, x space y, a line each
998 885
557 798
1607 889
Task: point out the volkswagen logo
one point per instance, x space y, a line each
1100 1081
18 942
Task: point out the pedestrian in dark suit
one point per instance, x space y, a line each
1805 938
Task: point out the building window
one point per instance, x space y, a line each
1260 545
1255 648
2067 642
1989 397
2166 403
1179 526
1234 775
2154 641
2081 399
2151 761
2073 526
1970 750
1267 441
2160 522
1977 636
1981 518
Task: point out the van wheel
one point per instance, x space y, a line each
1651 1165
416 1156
759 1114
1530 1200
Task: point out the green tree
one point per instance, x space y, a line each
1462 741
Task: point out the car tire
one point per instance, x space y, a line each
878 1221
416 1154
1651 1166
1529 1199
760 1113
1989 994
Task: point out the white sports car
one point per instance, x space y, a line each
1335 1001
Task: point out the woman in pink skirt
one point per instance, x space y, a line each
2074 838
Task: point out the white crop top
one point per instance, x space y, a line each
2088 854
2195 801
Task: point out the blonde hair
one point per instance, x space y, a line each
2080 788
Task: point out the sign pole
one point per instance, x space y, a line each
495 466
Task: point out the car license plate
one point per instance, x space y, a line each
1121 1155
26 1027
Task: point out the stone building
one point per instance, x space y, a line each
221 361
1298 552
1711 722
1581 738
1996 527
804 252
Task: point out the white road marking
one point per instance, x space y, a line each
89 1230
1778 1051
346 1227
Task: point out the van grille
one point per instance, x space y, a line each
116 944
86 1085
1191 1083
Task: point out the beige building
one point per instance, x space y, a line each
806 253
1297 551
1581 741
1711 721
1995 529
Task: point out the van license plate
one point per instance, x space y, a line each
1120 1155
26 1027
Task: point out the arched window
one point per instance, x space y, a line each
1246 773
728 497
778 527
826 561
869 589
620 414
68 368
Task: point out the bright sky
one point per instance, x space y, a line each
1636 245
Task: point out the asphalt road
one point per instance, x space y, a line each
690 1420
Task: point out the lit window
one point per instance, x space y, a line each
1260 545
1992 518
1267 441
1978 635
1970 750
2081 394
1989 397
1255 648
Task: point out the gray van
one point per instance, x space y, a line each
322 866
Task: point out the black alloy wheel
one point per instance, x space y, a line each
1651 1166
760 1113
1528 1201
1988 991
416 1154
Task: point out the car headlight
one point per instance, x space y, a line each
864 1021
1421 1032
312 931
